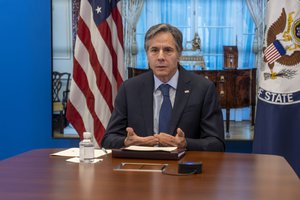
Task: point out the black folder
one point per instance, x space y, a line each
157 155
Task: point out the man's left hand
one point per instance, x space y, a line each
169 140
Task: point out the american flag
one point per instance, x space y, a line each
274 51
98 69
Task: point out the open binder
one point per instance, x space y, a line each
157 153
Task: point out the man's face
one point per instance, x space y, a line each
163 56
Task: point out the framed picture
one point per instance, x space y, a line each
230 57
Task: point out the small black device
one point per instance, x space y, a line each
190 168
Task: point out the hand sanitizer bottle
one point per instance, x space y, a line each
86 148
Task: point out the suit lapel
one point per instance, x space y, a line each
182 95
146 91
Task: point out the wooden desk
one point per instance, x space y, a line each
36 175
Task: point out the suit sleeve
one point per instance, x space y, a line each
211 125
115 133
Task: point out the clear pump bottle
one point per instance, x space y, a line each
86 148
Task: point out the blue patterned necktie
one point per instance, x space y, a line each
165 110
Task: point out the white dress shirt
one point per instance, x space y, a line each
158 97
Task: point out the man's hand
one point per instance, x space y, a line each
169 140
180 139
133 139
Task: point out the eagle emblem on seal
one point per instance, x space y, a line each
283 46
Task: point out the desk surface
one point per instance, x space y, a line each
36 175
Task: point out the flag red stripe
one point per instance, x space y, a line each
270 51
272 54
116 15
107 37
75 119
82 81
103 82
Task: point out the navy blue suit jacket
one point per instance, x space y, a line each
196 111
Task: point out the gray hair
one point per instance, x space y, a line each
176 33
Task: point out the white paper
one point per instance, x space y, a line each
76 160
146 148
74 152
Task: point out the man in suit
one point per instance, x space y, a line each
195 121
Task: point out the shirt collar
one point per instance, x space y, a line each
172 82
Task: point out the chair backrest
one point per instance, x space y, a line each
135 71
60 86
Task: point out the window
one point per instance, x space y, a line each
218 23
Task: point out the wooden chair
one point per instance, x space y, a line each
60 91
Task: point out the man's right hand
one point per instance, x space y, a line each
133 139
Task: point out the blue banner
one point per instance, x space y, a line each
277 125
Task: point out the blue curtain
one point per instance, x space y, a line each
218 22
